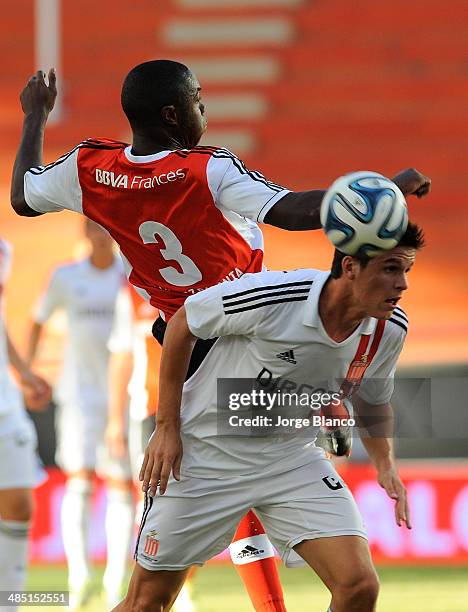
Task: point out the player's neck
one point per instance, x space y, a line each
338 311
101 261
142 144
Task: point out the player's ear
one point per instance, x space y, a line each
349 267
169 115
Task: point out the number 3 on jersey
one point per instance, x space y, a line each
150 231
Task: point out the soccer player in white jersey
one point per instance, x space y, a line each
20 469
86 290
288 330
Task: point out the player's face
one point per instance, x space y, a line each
194 121
379 286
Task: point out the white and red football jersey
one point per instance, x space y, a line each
131 332
184 220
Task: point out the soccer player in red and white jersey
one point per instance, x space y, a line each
184 216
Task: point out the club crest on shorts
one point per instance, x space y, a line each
151 544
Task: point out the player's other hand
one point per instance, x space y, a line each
39 96
116 440
412 182
36 391
389 479
163 455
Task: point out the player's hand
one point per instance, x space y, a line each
116 440
38 96
412 182
36 391
163 455
389 479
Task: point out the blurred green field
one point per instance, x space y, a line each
217 587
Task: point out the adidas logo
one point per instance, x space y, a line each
287 356
249 551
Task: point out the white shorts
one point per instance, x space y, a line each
20 466
196 518
81 443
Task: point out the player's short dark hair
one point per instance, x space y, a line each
412 238
150 86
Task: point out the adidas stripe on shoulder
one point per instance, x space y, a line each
222 153
90 143
400 318
259 297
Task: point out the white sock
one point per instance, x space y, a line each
119 533
13 556
75 519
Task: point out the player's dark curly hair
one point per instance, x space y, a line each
149 87
412 238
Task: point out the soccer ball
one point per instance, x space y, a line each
364 213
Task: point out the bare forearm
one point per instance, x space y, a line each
376 427
34 338
29 155
297 211
176 353
380 451
14 358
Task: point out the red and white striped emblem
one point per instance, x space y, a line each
362 360
151 544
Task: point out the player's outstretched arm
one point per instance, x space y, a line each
413 182
37 100
297 210
164 451
376 425
300 210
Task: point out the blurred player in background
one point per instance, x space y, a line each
133 371
20 469
185 217
87 290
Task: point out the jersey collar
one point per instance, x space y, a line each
144 159
311 311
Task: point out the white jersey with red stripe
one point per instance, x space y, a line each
11 401
184 220
270 331
131 332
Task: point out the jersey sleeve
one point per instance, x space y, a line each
378 383
230 308
54 187
236 188
121 338
51 300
